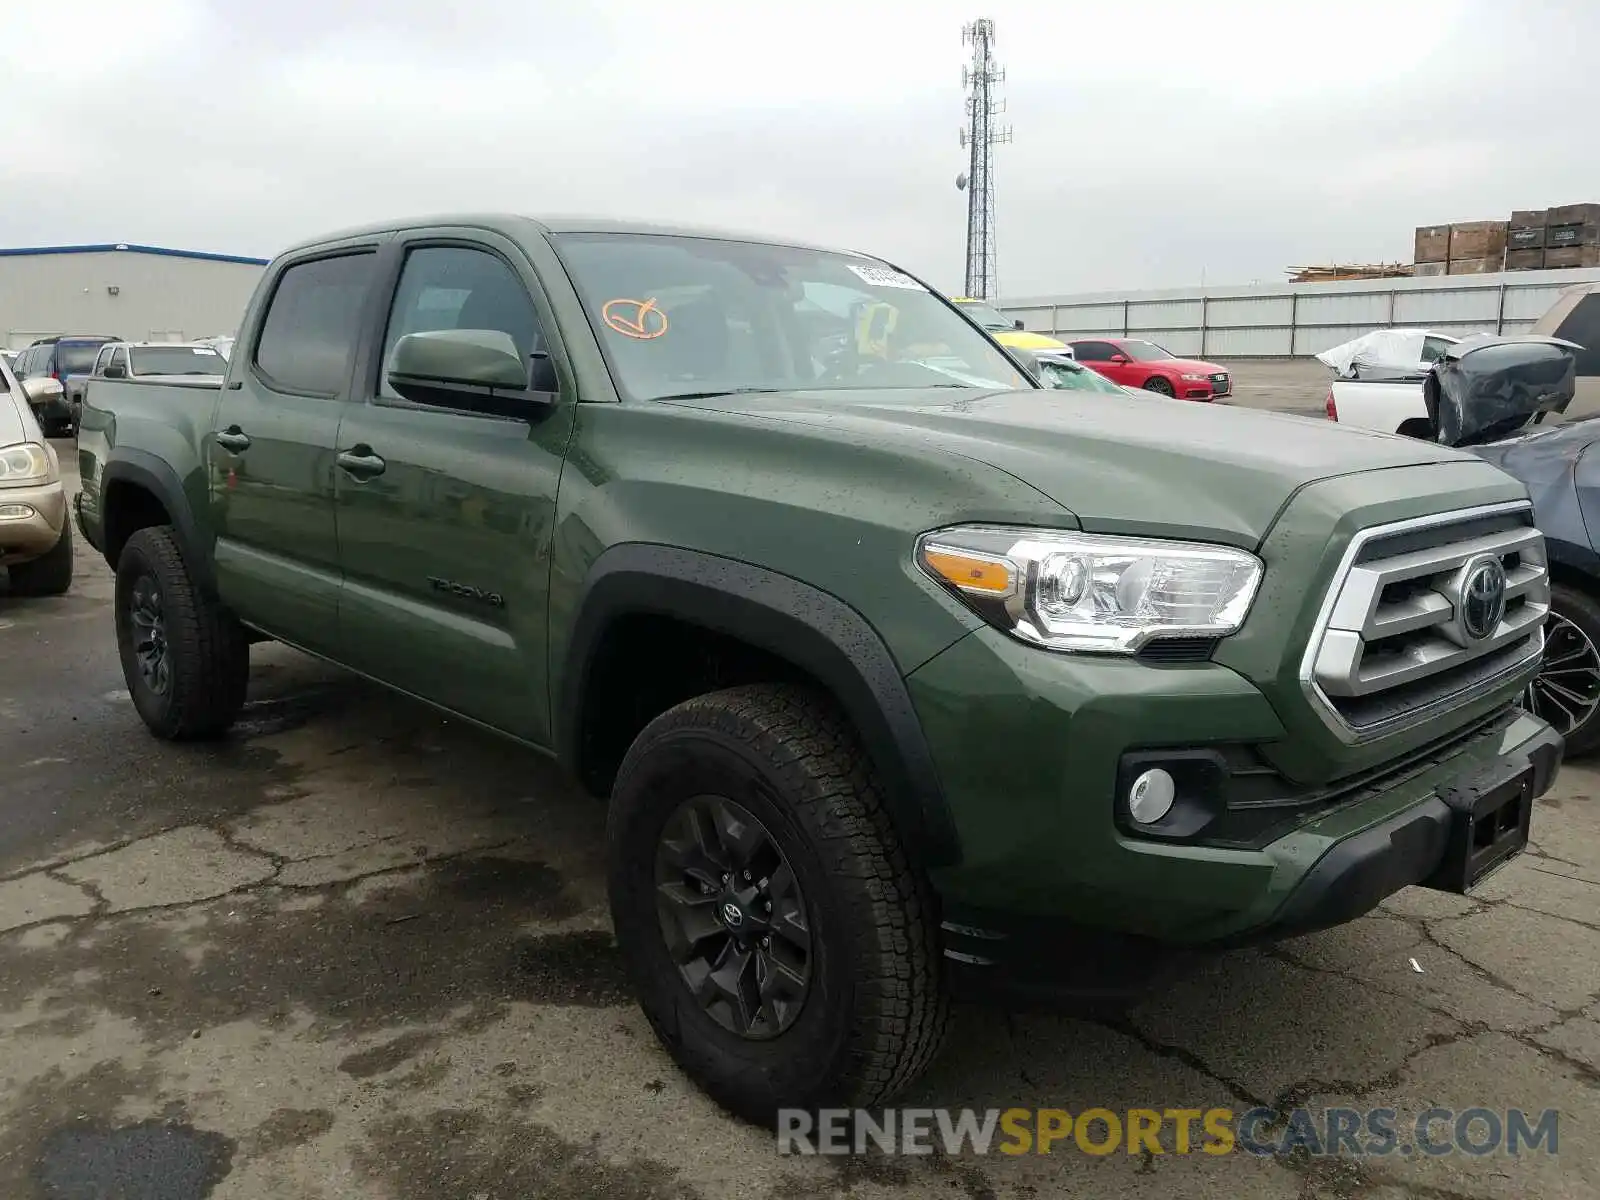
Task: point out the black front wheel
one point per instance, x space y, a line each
1566 692
1160 386
784 948
186 660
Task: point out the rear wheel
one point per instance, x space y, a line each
48 575
186 660
1566 692
1160 386
783 947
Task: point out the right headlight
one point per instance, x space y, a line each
1092 592
26 462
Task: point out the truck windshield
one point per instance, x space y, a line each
680 316
176 360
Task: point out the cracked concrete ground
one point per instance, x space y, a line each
357 950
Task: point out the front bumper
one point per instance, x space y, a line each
1029 747
1429 844
40 514
1210 387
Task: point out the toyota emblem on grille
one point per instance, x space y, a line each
1483 598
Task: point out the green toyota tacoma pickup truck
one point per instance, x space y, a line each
897 670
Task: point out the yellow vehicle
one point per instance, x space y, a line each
1006 331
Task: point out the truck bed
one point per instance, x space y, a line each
1384 405
169 418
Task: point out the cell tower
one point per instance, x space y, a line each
979 136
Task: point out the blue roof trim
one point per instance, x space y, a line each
131 248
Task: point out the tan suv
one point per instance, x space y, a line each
35 534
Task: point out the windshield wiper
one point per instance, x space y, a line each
711 395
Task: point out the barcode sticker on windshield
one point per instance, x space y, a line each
882 276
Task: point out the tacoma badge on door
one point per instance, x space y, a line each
467 591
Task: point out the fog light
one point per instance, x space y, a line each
1151 796
15 512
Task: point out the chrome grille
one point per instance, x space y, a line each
1395 646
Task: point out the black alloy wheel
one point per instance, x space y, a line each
733 917
147 619
1566 692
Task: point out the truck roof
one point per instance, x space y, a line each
514 224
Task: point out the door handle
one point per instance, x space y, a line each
360 462
234 440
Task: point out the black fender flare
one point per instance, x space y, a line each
803 625
154 475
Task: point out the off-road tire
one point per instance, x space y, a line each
48 575
878 1008
1160 387
209 650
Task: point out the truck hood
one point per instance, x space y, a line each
1120 465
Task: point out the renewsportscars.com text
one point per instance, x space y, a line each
1376 1132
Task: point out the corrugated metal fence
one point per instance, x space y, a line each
1299 320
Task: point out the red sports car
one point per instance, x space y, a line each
1140 364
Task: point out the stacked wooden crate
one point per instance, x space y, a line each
1532 240
1432 253
1467 248
1572 236
1477 247
1525 240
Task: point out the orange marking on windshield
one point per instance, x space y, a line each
640 319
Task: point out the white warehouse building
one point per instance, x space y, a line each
139 293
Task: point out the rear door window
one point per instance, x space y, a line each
312 323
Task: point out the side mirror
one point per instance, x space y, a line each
1119 358
41 389
116 371
1017 324
469 368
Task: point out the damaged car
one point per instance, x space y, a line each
1491 396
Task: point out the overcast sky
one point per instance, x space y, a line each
1156 142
